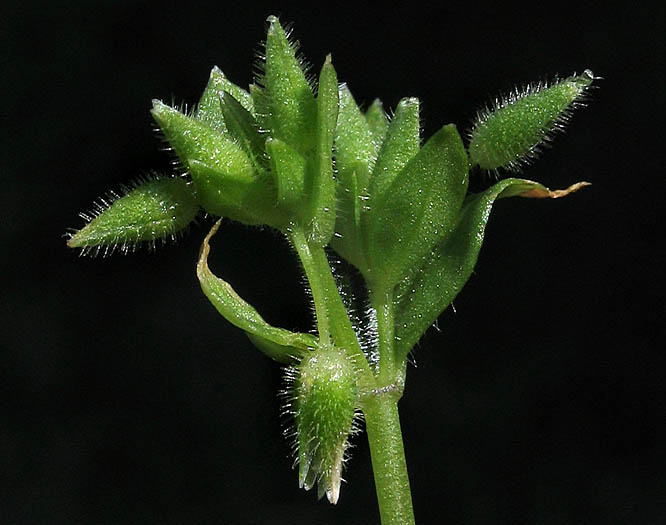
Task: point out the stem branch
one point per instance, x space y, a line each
332 318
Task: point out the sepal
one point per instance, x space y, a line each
320 186
235 197
288 168
244 129
401 143
191 139
378 121
289 109
355 153
209 110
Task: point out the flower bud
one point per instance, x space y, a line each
509 134
156 208
325 399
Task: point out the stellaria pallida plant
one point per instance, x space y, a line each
303 159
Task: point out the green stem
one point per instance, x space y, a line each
332 318
382 423
379 403
383 306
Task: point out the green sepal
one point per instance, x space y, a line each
209 110
154 209
420 299
399 146
277 343
258 95
243 127
290 109
378 121
320 186
355 151
194 140
325 402
288 168
355 154
417 210
236 197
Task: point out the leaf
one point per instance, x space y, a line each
321 185
355 154
209 110
157 208
279 344
417 210
420 299
289 102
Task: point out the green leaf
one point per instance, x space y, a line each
279 344
321 185
510 134
377 122
288 168
290 105
154 209
209 110
423 297
417 210
355 155
400 145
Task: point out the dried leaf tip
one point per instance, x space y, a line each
546 193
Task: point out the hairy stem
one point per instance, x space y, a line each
333 322
382 424
383 306
379 404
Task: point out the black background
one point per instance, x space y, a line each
125 398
